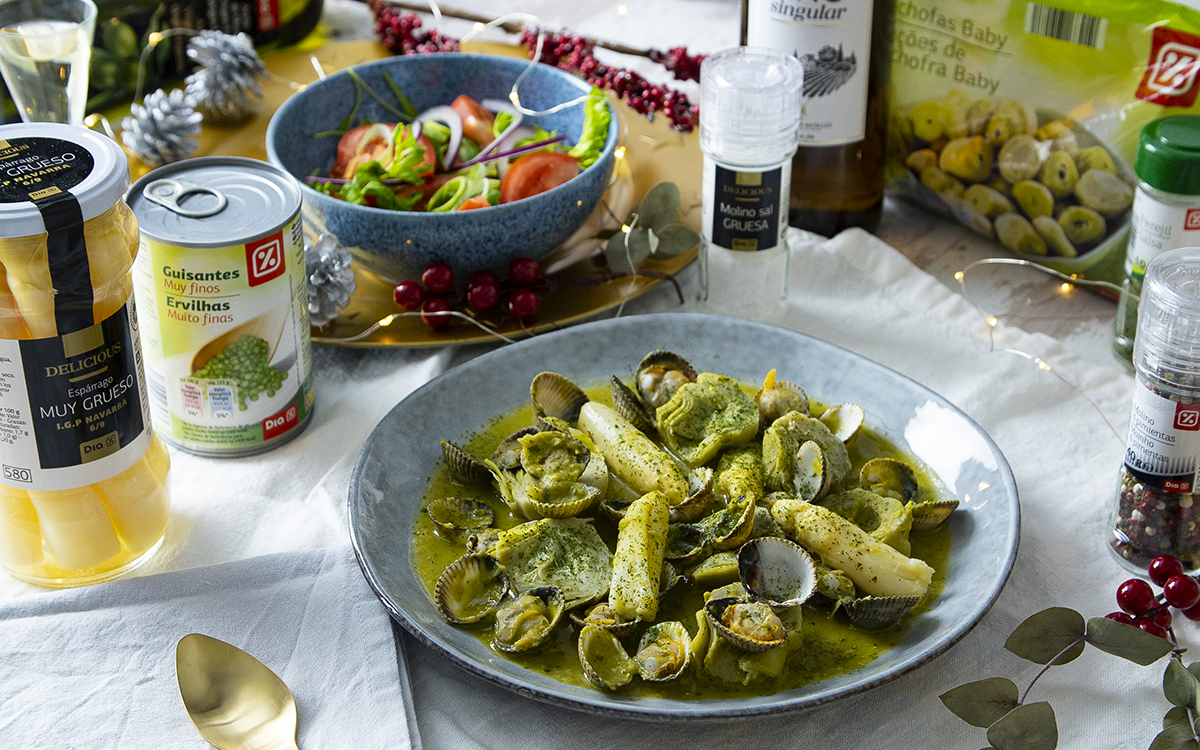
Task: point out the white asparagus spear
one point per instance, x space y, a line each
632 457
874 567
638 560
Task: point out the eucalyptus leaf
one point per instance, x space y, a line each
1177 716
984 702
1127 641
1044 635
674 239
1180 686
659 207
1194 668
623 258
1028 727
1177 737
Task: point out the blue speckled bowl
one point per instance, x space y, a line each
397 245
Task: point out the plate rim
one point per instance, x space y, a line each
699 711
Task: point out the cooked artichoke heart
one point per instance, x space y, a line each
706 417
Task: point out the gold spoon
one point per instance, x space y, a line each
235 702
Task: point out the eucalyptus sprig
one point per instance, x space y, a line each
1057 636
649 231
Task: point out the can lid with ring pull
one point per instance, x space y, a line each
168 193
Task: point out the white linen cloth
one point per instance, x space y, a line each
854 291
94 668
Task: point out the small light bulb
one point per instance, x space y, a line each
1066 287
958 276
993 322
619 152
387 321
625 228
154 38
622 10
478 26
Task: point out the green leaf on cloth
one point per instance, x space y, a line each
1176 737
1180 686
1126 641
984 702
1044 635
1028 727
1177 717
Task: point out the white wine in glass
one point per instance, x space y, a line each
44 54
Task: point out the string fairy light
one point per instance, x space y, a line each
1067 285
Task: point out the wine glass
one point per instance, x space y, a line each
45 46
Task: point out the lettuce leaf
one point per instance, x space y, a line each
596 119
501 123
408 163
539 134
439 135
368 182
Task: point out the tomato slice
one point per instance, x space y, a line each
477 120
362 144
470 204
536 173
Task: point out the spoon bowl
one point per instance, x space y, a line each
234 700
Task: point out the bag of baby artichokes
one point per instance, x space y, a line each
1021 119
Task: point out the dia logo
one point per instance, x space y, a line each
1187 417
1191 221
264 259
1171 71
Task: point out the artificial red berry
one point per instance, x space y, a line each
1135 596
1192 613
1181 592
1163 567
489 278
1120 617
408 295
435 305
1161 615
1153 628
438 278
483 296
524 304
524 271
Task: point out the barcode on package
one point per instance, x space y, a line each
1078 28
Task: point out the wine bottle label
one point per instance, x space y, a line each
742 206
73 408
832 38
1164 441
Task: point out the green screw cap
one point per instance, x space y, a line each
1168 156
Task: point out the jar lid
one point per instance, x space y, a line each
1168 330
45 159
1168 155
750 95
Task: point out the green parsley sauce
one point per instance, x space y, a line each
831 647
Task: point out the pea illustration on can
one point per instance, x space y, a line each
221 300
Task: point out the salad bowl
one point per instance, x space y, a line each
303 136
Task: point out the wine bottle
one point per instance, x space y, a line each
123 29
837 173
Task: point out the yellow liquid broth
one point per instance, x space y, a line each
97 531
831 646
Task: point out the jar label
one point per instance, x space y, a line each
32 168
832 38
1164 442
1155 228
745 208
73 408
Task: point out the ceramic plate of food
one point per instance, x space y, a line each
745 520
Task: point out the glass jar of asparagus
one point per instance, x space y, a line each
83 479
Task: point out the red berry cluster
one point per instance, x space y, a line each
1153 613
402 33
433 294
576 54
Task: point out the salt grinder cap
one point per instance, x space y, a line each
1168 332
750 96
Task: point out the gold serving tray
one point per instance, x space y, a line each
652 153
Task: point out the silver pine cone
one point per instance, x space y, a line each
227 76
330 279
159 129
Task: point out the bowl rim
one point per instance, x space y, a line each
273 126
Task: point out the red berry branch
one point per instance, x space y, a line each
403 34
